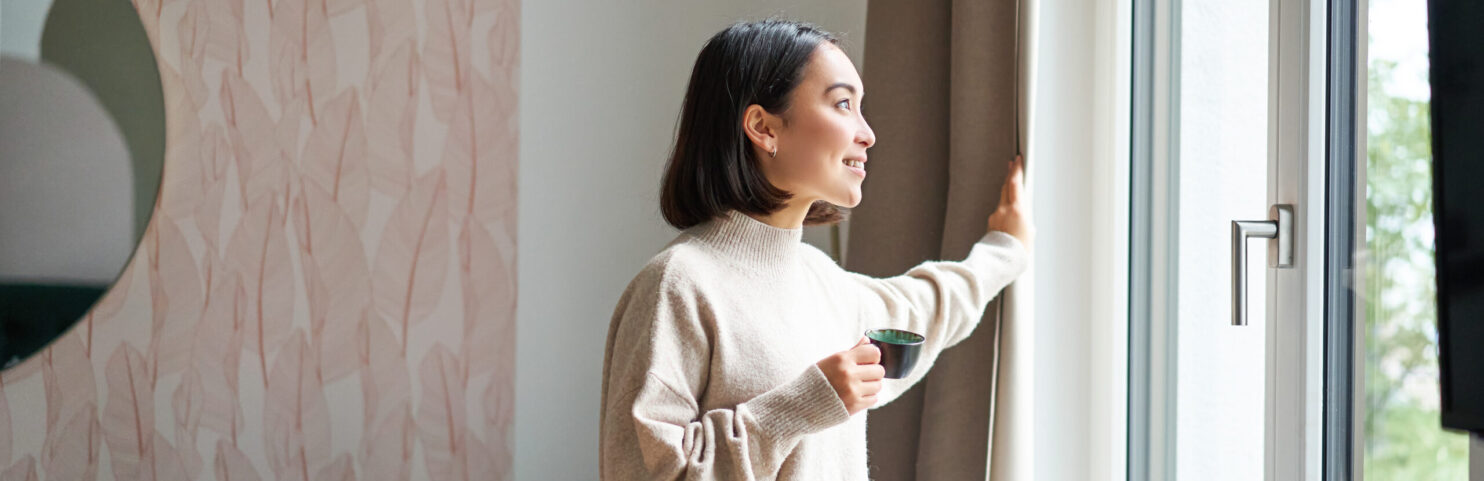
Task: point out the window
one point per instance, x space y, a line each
1403 438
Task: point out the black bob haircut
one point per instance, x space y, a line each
713 168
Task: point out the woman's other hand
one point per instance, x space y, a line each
1013 216
855 374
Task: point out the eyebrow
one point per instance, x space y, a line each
841 85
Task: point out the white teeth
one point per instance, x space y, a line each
855 163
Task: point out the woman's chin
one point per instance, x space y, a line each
854 199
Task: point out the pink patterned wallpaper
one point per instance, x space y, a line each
326 290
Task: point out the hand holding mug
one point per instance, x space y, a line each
855 374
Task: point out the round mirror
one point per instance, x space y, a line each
82 141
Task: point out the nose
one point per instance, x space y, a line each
865 136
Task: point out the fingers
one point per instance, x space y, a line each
856 375
1010 192
867 354
871 372
872 388
1014 182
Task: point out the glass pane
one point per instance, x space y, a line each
1403 437
1223 172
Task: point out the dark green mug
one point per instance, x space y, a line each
899 350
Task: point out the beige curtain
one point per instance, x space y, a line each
944 101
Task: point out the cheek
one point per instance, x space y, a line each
827 138
818 143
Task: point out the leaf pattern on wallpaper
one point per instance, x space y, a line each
149 15
259 254
480 140
413 256
386 452
206 395
186 404
336 280
479 464
215 162
215 359
441 413
136 449
180 189
499 418
386 385
175 310
129 417
108 306
72 451
193 33
67 380
504 43
389 23
23 470
446 54
227 39
296 418
286 132
336 7
335 156
391 108
23 370
272 154
232 465
340 469
301 55
488 281
167 462
251 131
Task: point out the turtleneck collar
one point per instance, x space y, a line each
750 242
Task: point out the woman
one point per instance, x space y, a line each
721 359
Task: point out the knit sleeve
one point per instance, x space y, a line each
655 370
942 300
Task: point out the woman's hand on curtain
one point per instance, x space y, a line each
1013 216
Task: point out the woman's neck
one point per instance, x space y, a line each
791 216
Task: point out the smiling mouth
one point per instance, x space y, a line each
855 163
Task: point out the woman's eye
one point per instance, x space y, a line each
844 104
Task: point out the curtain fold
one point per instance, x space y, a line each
941 77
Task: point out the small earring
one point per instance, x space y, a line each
774 153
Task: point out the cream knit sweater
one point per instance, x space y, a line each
709 368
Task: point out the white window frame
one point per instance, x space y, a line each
1296 157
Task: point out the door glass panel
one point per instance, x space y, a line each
1402 435
1223 176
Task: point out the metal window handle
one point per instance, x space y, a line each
1279 231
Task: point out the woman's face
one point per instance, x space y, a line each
823 138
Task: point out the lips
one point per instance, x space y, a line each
856 165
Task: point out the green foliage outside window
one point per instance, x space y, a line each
1404 439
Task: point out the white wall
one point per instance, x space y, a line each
600 91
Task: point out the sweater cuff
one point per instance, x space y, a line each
806 405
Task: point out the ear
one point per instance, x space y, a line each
761 128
